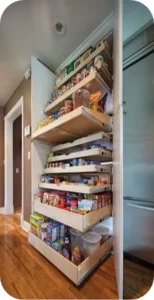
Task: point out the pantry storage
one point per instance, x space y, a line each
66 136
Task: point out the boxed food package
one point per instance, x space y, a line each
53 233
35 223
57 245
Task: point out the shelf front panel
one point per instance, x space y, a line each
80 169
87 139
75 273
97 154
74 220
76 188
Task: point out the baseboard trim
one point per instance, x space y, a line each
138 261
2 210
25 226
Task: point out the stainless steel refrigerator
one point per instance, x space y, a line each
139 158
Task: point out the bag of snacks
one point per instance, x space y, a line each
94 100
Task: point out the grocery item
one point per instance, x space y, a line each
68 106
45 122
60 92
86 54
78 77
86 205
52 232
84 73
73 81
62 111
73 204
45 198
91 241
61 75
38 197
94 100
66 249
64 89
76 245
57 245
98 61
103 231
81 97
35 223
70 67
69 85
43 234
77 62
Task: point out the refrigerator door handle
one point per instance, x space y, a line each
141 207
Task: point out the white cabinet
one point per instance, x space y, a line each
66 130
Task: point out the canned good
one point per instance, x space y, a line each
73 81
84 73
64 89
78 77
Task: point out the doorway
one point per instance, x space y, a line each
14 158
17 165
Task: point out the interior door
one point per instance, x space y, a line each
118 149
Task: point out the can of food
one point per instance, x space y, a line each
73 81
64 89
84 73
78 77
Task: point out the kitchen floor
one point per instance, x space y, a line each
137 280
26 274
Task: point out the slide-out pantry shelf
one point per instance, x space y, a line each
80 169
76 188
85 140
93 82
78 123
102 49
97 154
74 220
75 273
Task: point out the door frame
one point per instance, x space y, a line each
14 113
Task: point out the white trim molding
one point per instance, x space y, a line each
14 113
100 32
25 226
2 210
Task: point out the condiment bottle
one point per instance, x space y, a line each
66 249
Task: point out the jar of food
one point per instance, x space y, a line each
84 73
73 81
78 77
44 231
76 245
64 89
81 98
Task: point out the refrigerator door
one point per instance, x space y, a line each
138 129
139 229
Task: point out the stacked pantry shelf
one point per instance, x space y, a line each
79 127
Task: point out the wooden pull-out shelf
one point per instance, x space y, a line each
76 188
83 141
75 273
74 220
102 49
97 154
78 123
80 169
93 82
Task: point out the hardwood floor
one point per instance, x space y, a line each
137 280
25 274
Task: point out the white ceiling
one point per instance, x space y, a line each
26 30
